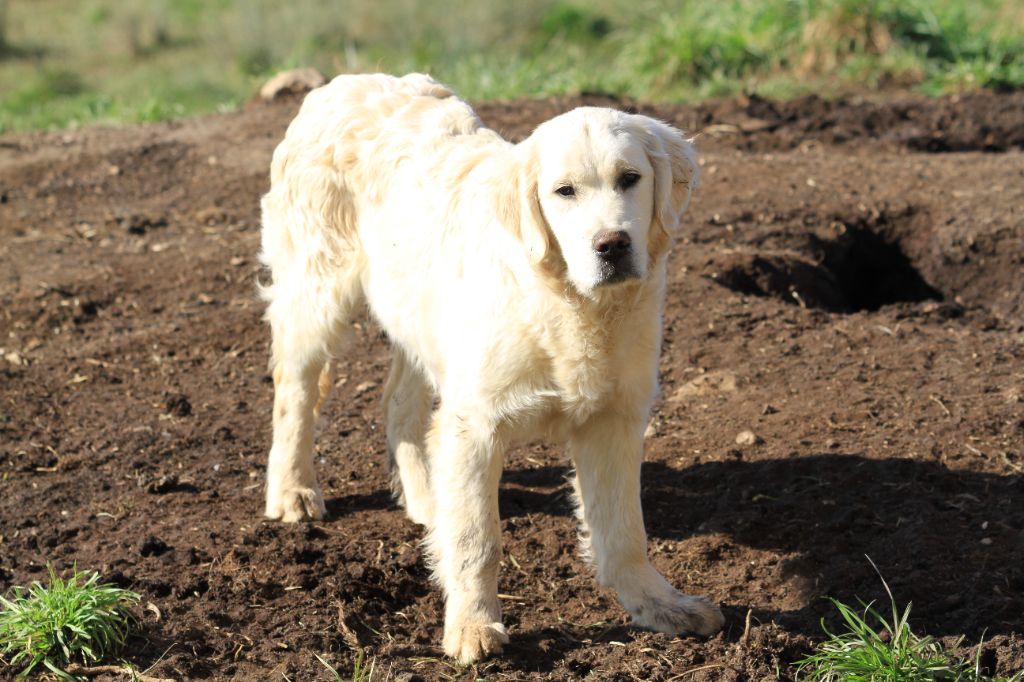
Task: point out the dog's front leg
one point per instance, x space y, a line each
465 541
607 452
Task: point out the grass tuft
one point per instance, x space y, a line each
888 651
862 653
361 673
77 620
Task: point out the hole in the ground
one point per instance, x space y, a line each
781 275
859 269
872 271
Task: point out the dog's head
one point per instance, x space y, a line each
598 194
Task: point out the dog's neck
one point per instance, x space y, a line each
591 333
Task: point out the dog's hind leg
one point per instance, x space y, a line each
307 331
407 402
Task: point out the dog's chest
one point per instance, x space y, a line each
584 372
603 360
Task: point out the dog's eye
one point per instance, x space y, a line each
628 179
566 191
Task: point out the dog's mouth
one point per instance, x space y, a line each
609 273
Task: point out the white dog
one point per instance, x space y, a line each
520 284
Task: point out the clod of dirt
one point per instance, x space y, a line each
36 460
177 404
164 484
153 546
137 223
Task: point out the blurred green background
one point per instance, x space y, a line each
72 62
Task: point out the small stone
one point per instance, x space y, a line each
748 437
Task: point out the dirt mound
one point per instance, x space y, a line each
980 121
845 291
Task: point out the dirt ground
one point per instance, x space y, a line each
850 288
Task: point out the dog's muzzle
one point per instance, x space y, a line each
614 250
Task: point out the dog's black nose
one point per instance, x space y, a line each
612 245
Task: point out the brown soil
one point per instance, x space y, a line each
848 289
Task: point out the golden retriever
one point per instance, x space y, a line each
521 285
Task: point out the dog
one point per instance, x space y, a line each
521 287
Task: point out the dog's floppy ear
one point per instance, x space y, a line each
676 175
519 204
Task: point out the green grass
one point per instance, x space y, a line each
873 649
70 62
361 673
77 620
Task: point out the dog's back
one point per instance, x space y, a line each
344 147
337 121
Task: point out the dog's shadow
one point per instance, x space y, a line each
343 505
950 542
539 490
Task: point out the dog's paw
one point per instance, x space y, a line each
679 614
474 641
295 504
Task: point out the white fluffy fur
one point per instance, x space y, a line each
390 191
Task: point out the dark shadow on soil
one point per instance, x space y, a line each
519 495
347 504
517 499
543 650
950 542
861 265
